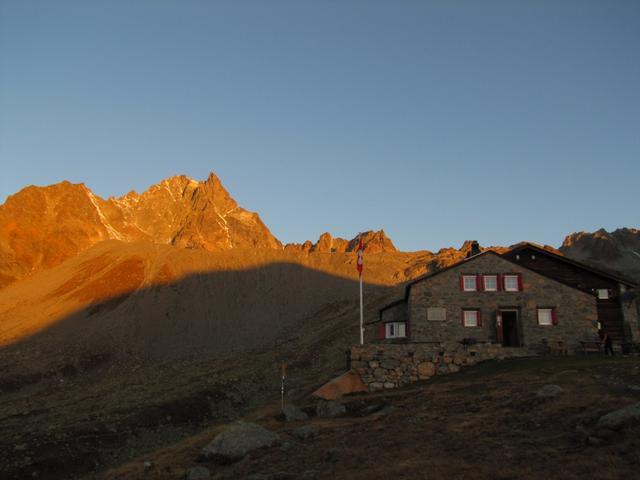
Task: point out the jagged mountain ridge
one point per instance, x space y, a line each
373 241
40 227
618 251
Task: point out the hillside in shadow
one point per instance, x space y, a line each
204 315
144 368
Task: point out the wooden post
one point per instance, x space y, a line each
284 374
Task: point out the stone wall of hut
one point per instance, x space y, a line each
387 366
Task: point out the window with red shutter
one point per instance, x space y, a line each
470 318
511 283
479 283
470 283
545 316
490 283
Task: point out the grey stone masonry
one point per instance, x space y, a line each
395 313
387 366
441 294
630 301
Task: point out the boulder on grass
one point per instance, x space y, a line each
330 409
199 473
618 418
292 413
236 440
347 383
306 431
549 391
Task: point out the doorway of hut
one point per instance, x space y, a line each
509 327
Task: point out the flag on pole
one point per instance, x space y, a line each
360 253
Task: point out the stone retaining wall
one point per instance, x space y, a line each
386 366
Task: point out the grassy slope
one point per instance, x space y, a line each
485 422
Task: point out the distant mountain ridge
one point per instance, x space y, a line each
373 241
41 227
618 250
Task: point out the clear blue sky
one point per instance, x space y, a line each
438 121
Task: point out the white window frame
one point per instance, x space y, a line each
603 294
468 318
484 283
508 277
546 321
395 330
475 283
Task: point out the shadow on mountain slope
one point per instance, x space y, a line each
137 371
204 315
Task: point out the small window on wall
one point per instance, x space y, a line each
469 283
512 283
603 294
471 318
547 316
490 283
395 330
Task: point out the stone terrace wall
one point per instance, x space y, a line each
386 366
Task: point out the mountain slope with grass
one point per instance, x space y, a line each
491 421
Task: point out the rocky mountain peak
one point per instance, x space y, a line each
374 242
327 244
618 250
41 227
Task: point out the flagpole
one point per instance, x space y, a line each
360 265
361 314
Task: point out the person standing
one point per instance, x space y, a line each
608 344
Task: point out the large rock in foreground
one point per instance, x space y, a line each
618 418
238 439
330 409
349 382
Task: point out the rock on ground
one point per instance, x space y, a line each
199 473
292 413
616 419
549 391
328 409
238 439
307 431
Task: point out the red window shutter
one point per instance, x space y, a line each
520 282
479 283
479 317
406 329
462 317
381 331
499 282
461 282
554 316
